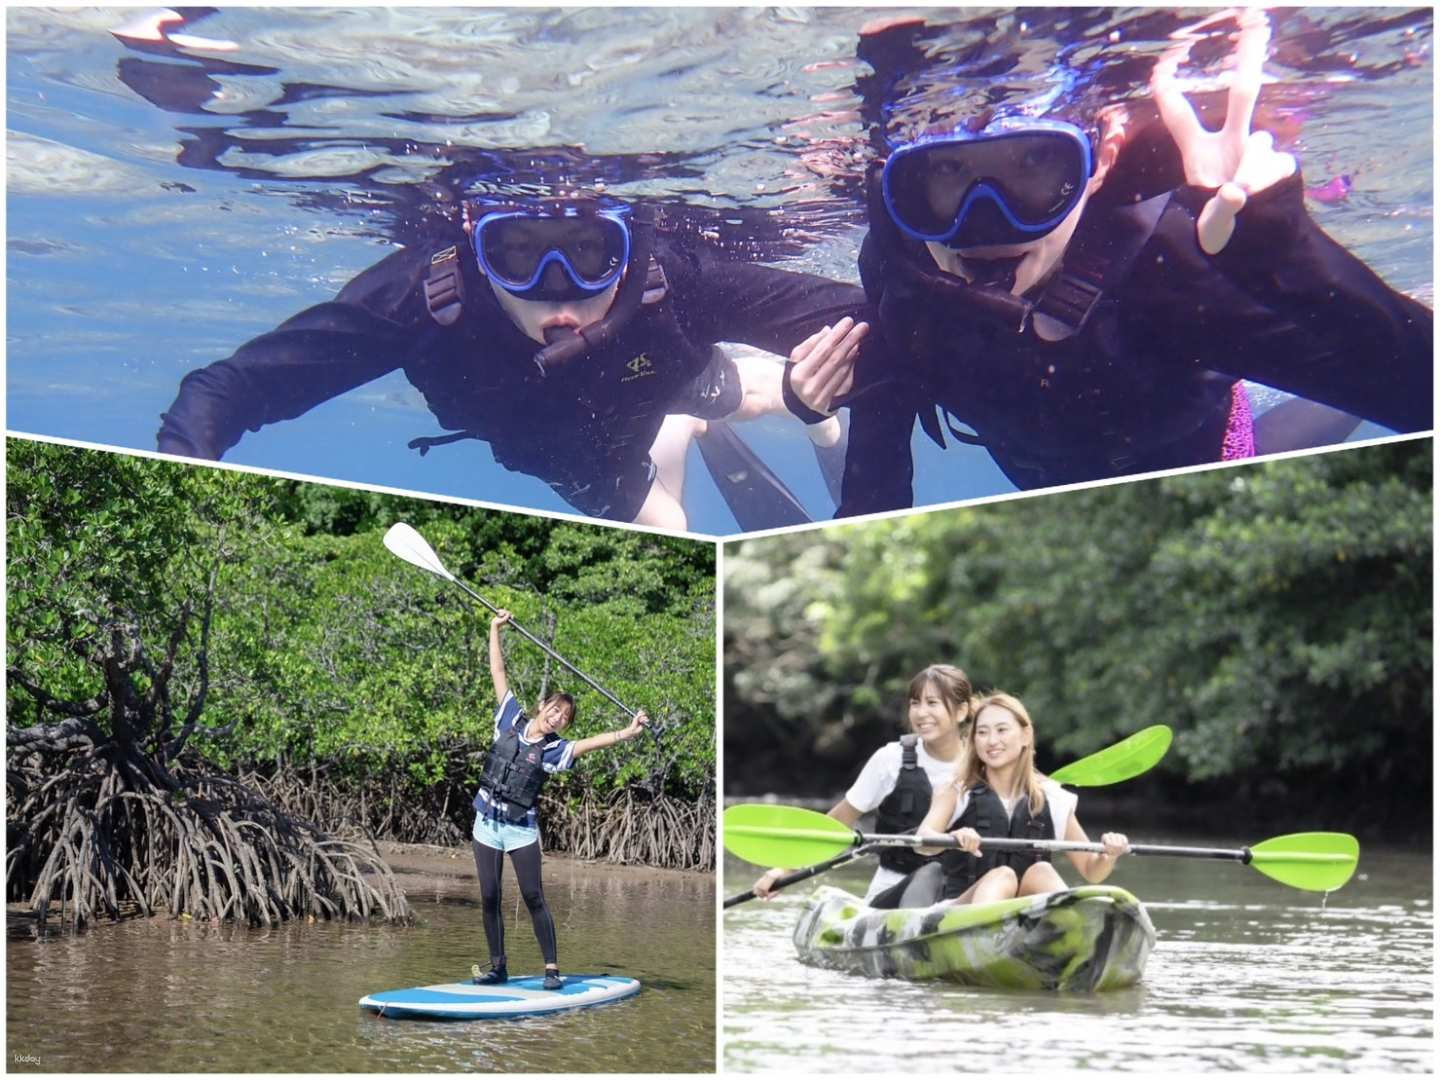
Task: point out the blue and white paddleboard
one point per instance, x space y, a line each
521 996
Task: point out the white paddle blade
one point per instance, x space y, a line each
405 543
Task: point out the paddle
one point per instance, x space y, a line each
1128 758
789 836
800 875
405 543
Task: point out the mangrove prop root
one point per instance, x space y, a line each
627 826
99 839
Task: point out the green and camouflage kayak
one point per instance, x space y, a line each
1092 938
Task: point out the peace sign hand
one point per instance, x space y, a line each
1235 161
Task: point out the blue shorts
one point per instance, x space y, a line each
503 836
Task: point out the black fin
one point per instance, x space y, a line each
756 496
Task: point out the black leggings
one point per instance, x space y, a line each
526 861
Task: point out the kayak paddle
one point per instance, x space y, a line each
1128 758
789 836
1125 760
801 875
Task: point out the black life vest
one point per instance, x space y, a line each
904 809
514 774
985 813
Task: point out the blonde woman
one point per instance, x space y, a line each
998 792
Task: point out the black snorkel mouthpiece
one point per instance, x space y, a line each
564 345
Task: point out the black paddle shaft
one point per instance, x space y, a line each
800 875
550 652
1005 843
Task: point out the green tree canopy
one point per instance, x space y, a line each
1278 616
325 648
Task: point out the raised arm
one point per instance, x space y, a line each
497 656
1346 339
610 738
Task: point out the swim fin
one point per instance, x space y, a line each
755 495
832 458
1299 424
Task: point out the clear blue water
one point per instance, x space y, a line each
164 207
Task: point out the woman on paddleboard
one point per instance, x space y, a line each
524 754
900 777
997 791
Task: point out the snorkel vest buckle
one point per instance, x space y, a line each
445 287
1069 299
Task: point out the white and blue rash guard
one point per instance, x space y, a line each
557 755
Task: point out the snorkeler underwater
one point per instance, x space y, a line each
719 270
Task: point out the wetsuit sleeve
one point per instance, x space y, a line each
757 305
879 467
317 355
1344 338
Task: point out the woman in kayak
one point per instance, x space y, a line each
997 792
525 752
898 780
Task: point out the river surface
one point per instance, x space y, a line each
166 996
1247 975
171 200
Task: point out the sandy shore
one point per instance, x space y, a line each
421 867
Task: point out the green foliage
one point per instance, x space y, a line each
1277 616
327 649
103 547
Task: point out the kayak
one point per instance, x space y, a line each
1092 938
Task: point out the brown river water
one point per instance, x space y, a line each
167 996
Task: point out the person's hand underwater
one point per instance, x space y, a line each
825 364
1236 161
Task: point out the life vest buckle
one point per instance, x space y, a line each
1071 299
444 287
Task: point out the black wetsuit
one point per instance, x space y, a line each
1148 381
585 430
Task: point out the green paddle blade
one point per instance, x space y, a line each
1318 861
1128 758
784 836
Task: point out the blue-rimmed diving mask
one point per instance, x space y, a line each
561 253
1012 182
